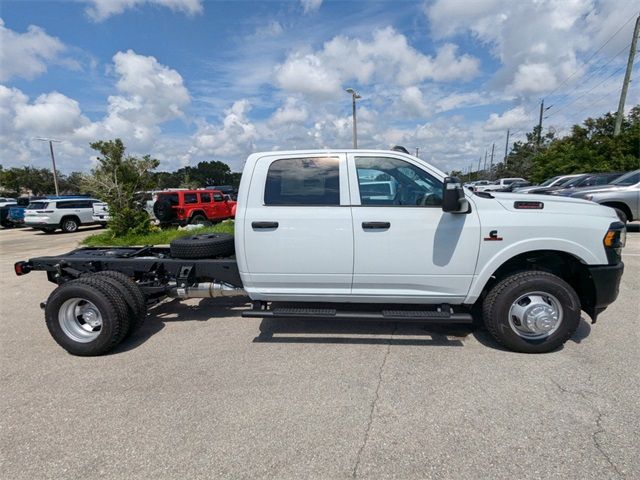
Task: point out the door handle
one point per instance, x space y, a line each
376 225
264 225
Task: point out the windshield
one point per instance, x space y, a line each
627 179
573 182
549 181
564 181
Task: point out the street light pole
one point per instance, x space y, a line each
354 96
53 161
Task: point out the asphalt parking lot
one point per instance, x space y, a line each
202 393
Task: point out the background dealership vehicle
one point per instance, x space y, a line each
550 182
582 181
65 213
4 201
101 213
498 184
622 194
310 241
5 205
192 206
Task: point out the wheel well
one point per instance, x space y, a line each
620 206
561 264
197 212
70 216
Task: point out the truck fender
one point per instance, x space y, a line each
483 275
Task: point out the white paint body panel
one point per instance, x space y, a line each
426 256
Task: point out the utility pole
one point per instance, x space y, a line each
493 147
484 168
627 78
506 149
540 124
53 161
479 163
354 96
417 152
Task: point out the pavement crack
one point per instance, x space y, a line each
374 403
603 452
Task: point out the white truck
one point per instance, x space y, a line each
310 242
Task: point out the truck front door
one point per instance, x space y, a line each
298 236
404 244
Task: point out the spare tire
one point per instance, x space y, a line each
163 210
206 245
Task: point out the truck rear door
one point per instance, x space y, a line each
298 235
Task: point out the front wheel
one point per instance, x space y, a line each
532 312
69 225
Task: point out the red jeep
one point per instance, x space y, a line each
193 206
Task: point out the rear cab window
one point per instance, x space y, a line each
303 182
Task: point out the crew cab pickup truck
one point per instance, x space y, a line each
314 240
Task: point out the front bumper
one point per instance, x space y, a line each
606 283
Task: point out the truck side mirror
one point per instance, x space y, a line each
453 199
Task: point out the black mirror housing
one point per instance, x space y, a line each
453 199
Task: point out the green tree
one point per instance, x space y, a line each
115 180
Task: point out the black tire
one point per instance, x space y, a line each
198 219
106 300
132 295
207 245
163 211
621 215
497 304
69 224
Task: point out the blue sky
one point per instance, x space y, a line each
187 80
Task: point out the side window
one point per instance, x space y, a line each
218 197
205 197
389 181
190 198
303 181
85 204
65 205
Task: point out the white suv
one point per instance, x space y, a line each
67 214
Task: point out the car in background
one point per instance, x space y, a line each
65 213
15 215
182 207
499 184
101 213
477 183
4 201
623 195
586 180
549 184
513 186
228 191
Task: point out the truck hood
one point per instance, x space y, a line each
554 204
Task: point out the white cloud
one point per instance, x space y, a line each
273 28
51 114
27 54
311 5
514 118
291 112
537 43
386 58
100 10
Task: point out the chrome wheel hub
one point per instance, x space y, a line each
80 320
535 315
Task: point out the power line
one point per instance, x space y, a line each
592 56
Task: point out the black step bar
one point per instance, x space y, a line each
443 314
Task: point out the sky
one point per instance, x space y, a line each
191 80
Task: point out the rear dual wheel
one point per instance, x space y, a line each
90 315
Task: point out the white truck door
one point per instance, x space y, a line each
405 246
298 236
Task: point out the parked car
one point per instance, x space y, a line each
4 213
15 215
513 186
499 184
623 195
586 180
549 184
228 190
65 213
478 183
4 201
311 243
101 213
182 207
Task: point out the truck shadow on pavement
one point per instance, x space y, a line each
319 331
